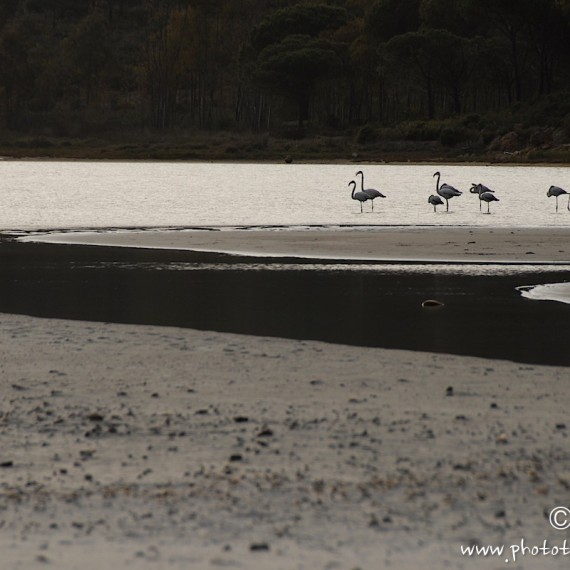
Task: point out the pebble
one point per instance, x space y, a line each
95 417
502 438
432 303
259 547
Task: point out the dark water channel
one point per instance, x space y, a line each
483 314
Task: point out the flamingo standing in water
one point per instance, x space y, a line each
557 191
479 189
446 191
360 196
485 195
435 201
371 192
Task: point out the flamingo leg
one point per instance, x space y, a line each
556 203
446 205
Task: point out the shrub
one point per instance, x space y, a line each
453 135
472 121
366 135
422 130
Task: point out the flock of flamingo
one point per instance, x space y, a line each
444 191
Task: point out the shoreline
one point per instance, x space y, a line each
279 160
225 147
369 244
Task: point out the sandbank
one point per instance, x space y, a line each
148 447
423 244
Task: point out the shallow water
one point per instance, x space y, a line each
76 194
483 313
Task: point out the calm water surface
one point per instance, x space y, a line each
38 195
380 305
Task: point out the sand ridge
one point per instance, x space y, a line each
373 243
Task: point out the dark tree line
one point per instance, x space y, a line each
72 67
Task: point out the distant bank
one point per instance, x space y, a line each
265 147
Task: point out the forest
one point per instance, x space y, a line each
457 76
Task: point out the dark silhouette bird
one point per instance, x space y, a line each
435 201
446 191
360 196
557 191
371 192
481 189
487 197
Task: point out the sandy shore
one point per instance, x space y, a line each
148 447
480 245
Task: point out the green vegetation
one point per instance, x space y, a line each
265 79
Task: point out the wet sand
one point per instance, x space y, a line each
478 245
158 447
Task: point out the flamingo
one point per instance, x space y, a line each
435 201
487 197
371 192
557 191
360 196
446 191
481 189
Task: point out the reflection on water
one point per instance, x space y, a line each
359 305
